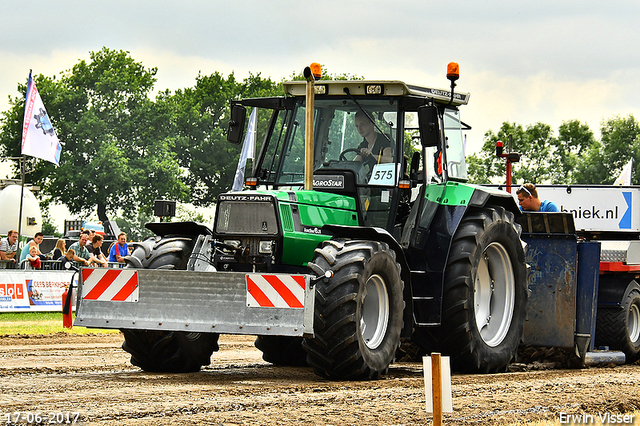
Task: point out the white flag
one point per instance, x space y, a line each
38 137
625 176
248 148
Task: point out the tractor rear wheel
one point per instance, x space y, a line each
619 328
166 351
282 350
485 292
358 311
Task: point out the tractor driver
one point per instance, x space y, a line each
529 201
375 147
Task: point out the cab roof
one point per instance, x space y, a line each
375 88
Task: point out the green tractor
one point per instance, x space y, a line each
385 241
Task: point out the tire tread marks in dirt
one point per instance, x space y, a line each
459 336
338 350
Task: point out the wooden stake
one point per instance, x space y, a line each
436 386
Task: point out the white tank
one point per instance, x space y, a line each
10 211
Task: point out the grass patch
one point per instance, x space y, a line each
40 323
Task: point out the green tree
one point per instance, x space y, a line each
134 225
484 167
575 141
201 115
544 157
117 145
604 160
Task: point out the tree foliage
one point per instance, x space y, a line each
118 152
619 143
545 158
200 117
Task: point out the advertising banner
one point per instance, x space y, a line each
23 291
598 208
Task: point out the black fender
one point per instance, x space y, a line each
379 234
187 229
427 240
613 289
481 198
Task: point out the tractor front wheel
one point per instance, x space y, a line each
166 351
358 311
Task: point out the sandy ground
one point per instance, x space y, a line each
91 376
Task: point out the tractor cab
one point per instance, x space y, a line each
366 143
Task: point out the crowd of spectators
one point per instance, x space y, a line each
87 251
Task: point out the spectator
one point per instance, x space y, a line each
120 249
528 199
33 258
97 257
81 254
37 239
87 232
9 246
68 257
60 250
92 233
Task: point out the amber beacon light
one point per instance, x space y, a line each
453 71
316 70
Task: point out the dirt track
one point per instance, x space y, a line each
91 375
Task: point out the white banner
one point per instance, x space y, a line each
23 291
603 208
248 149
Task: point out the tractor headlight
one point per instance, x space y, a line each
265 247
233 243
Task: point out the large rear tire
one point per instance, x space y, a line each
619 328
485 292
166 351
358 311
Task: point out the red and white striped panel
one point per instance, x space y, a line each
115 285
275 291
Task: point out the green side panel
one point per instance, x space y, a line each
286 217
315 198
450 193
298 247
314 210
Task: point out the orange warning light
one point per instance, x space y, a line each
316 70
453 71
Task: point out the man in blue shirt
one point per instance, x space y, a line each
120 249
529 201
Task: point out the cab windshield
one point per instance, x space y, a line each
337 142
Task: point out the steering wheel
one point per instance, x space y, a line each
342 154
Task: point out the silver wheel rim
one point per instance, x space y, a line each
374 311
494 294
634 323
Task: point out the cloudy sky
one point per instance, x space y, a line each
522 61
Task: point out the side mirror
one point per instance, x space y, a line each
236 124
428 123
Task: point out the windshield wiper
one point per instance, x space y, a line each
346 90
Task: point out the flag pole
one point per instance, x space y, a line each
22 160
